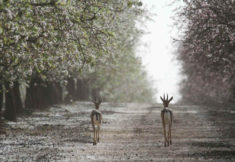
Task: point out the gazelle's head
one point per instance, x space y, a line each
166 101
97 101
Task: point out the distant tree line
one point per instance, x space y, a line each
207 51
53 51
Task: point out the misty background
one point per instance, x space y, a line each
157 49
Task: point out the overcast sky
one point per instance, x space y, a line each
157 48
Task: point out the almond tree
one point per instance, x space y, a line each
47 44
207 50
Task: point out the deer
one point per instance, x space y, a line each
96 119
167 119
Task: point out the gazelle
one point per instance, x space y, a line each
96 119
167 119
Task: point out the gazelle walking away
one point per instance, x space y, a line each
167 119
96 119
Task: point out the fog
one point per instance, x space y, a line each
157 49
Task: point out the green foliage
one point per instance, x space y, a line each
54 40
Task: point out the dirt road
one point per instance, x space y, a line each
130 132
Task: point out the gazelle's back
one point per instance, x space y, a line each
96 117
167 113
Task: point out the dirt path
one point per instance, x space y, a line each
130 132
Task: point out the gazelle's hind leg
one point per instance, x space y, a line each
94 143
170 134
98 134
165 139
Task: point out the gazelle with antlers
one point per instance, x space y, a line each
167 119
96 119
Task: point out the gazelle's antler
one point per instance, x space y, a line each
163 99
166 98
96 100
99 100
170 99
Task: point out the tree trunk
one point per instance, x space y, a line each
10 112
71 88
18 103
1 101
83 90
